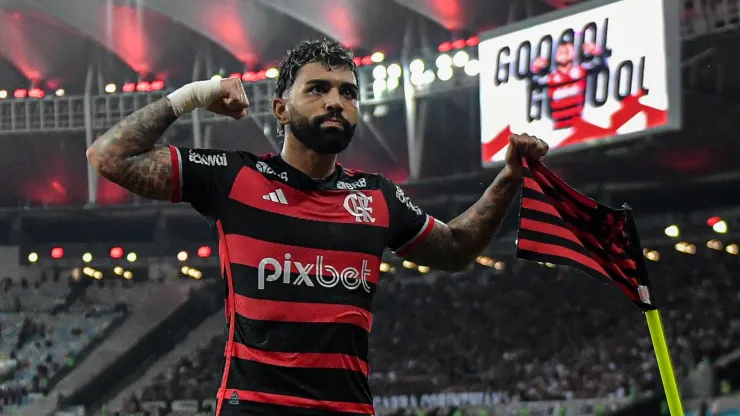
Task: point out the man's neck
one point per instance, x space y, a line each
315 165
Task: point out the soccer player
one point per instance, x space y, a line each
301 237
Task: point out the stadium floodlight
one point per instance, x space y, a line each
394 71
732 249
652 255
110 88
714 244
128 275
98 275
380 72
118 270
59 92
429 76
204 251
443 61
182 256
379 86
472 68
3 94
392 84
116 252
272 73
33 257
672 231
385 267
131 257
377 57
445 73
416 66
57 253
417 78
87 257
718 225
461 59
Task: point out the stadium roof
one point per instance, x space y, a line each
56 39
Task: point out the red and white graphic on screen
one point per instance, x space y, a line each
583 131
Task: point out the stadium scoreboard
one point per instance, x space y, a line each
596 72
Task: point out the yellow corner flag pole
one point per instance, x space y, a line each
664 362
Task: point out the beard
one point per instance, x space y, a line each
324 140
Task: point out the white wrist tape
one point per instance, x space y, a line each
199 94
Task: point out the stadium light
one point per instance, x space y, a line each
672 231
379 86
128 87
144 86
409 265
461 59
3 94
204 251
416 66
714 244
33 257
88 271
718 225
157 85
499 265
59 92
472 68
380 72
110 88
686 248
116 252
118 270
429 76
272 73
128 275
443 61
391 84
57 253
423 269
87 257
445 73
36 93
385 267
131 257
394 71
651 255
182 256
98 275
20 93
377 57
732 249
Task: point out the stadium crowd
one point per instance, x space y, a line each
47 323
529 332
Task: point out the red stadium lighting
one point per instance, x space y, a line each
157 85
20 93
472 41
458 44
357 60
57 253
144 86
235 75
248 77
262 75
445 47
204 251
116 252
713 220
128 87
36 93
368 60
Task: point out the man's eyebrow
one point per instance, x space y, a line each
327 83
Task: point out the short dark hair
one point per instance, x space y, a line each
324 51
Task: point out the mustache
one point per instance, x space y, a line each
332 116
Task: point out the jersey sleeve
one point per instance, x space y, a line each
409 225
203 178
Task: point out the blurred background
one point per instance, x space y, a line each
112 305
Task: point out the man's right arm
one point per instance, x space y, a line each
126 154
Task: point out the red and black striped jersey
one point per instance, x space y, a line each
301 261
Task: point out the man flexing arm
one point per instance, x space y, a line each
454 246
127 155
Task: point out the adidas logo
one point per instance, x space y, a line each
276 196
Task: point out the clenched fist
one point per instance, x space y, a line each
233 101
523 146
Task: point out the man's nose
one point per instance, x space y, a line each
333 102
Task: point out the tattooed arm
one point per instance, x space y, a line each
126 154
454 246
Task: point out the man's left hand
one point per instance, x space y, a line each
523 145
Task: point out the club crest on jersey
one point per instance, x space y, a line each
358 205
234 399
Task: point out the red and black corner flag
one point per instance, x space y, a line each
561 226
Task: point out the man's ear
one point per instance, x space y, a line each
280 109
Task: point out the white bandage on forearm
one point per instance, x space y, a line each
199 94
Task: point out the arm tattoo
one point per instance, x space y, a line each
127 156
454 246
